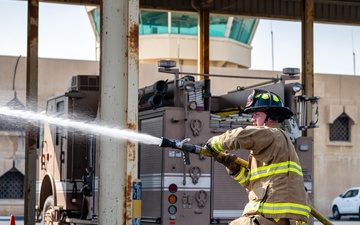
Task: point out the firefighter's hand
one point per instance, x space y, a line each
228 160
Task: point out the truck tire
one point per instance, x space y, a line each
48 211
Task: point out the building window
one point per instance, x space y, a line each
95 14
58 135
218 26
156 22
153 22
340 129
40 137
182 23
60 106
12 185
241 29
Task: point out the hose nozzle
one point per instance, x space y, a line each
182 145
167 143
186 148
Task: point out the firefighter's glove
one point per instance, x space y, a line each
228 160
208 150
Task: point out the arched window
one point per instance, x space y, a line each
12 185
340 129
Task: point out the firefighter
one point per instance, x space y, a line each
273 178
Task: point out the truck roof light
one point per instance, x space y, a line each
291 71
166 63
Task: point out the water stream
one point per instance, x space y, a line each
117 133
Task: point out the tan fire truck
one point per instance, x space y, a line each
177 187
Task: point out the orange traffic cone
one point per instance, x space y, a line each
12 220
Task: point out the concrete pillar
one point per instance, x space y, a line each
118 107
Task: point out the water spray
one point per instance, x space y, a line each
109 131
83 126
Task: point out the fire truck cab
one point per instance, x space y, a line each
67 157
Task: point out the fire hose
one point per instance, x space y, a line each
196 149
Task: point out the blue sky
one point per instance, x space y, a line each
65 32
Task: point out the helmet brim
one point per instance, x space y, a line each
285 111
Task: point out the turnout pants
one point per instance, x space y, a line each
260 220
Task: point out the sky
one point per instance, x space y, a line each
65 32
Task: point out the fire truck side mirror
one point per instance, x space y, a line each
302 104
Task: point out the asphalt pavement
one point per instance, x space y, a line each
344 221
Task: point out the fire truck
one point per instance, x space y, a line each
177 187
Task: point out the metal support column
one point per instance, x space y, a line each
307 76
203 63
204 41
204 55
118 107
31 104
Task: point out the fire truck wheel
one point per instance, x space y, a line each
48 211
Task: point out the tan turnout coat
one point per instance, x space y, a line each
274 178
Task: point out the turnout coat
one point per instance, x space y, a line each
273 178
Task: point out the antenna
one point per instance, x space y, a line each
353 52
272 45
